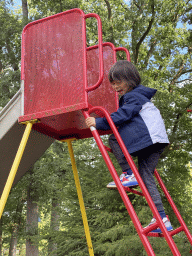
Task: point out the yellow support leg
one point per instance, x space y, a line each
15 166
80 196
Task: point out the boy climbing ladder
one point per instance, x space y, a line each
141 128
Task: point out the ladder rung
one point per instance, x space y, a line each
131 191
150 228
155 234
108 149
172 233
176 231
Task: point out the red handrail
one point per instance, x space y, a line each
178 215
100 43
120 188
125 50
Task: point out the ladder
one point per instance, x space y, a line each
142 232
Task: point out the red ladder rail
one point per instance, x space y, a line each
177 213
142 232
121 190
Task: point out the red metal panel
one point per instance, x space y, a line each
62 77
68 121
72 124
104 95
53 62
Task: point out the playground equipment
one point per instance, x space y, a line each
63 82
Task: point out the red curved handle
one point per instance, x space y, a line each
125 50
100 43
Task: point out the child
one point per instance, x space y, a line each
141 128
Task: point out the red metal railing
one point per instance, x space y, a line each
100 45
115 50
141 231
177 213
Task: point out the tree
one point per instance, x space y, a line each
1 232
10 44
25 12
48 7
13 218
54 226
32 218
16 226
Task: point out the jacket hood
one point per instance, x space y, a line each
145 91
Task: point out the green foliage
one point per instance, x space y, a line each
10 54
48 7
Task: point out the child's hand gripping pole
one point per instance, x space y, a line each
90 122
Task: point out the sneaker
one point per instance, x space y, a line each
165 221
121 177
130 181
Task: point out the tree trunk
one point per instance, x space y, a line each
54 227
13 242
1 232
25 12
15 230
32 221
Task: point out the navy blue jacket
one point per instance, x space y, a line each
139 122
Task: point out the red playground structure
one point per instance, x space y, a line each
63 82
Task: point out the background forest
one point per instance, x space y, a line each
42 215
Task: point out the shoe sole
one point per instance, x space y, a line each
111 186
160 232
114 186
131 184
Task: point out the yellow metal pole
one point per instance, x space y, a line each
15 166
80 196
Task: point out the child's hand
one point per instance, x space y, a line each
90 121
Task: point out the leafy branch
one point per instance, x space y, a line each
178 117
179 73
181 81
112 40
149 53
145 33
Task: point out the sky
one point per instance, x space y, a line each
17 3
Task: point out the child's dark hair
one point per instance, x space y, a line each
124 70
